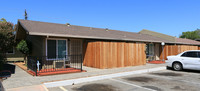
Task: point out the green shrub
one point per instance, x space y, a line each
24 47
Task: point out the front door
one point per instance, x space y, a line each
76 50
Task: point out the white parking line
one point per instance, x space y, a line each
131 84
63 88
45 88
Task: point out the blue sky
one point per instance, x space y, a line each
170 17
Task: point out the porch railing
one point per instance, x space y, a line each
45 64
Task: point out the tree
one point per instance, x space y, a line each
24 47
26 15
3 20
6 36
6 39
191 34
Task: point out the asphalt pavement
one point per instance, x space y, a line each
164 80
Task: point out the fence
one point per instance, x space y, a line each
175 49
101 54
46 64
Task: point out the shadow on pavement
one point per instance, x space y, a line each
192 71
140 79
167 74
9 67
186 70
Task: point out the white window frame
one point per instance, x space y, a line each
13 51
56 47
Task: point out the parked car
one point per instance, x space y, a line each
185 60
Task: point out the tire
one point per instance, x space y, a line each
177 66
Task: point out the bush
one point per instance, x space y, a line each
23 47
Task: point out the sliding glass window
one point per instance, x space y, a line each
56 49
61 48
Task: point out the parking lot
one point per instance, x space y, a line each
165 80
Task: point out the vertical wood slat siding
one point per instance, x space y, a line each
175 49
102 54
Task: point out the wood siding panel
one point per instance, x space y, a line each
176 49
136 62
120 54
100 54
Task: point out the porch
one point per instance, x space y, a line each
156 53
153 52
40 66
54 55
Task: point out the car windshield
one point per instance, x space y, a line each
179 54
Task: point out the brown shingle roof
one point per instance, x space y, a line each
187 41
63 30
170 38
53 29
160 35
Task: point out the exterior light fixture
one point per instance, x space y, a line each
163 43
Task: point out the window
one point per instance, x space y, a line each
184 54
61 48
190 54
198 54
150 49
10 51
56 48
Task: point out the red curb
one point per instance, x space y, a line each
156 62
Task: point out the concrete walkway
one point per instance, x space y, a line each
21 78
29 88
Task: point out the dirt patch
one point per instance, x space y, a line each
140 79
153 88
167 74
96 87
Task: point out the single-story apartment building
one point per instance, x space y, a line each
176 45
100 48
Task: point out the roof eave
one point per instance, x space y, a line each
88 37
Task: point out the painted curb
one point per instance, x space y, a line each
101 77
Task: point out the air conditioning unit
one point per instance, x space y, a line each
59 64
63 63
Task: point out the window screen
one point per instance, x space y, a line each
51 49
61 48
